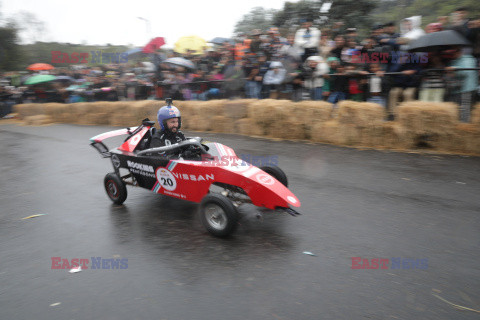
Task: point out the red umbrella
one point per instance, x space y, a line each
153 45
40 66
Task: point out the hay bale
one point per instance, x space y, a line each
188 108
396 136
289 129
328 131
37 120
199 123
100 118
265 113
465 139
470 135
476 115
248 127
310 113
222 124
420 117
371 136
313 111
349 134
237 109
361 114
28 109
55 111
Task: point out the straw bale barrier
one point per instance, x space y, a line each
476 115
418 124
360 114
37 120
237 109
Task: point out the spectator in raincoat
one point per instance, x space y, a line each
411 28
315 69
273 79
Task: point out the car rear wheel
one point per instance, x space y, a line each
277 173
219 215
115 187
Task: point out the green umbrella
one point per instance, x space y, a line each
40 78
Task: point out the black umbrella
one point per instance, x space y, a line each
431 41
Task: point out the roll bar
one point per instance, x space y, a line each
189 142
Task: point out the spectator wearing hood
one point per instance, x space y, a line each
411 28
313 74
273 79
308 39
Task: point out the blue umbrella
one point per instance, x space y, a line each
64 78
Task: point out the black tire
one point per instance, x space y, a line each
277 173
115 188
219 215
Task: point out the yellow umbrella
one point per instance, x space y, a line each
194 43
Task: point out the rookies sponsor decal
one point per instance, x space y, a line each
140 168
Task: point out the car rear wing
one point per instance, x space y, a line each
102 148
97 141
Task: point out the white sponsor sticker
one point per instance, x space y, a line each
166 179
265 179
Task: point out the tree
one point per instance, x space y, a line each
291 14
257 18
354 13
430 10
31 28
10 54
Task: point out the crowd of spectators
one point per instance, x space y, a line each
331 64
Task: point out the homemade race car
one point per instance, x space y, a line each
208 173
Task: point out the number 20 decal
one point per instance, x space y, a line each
167 182
166 179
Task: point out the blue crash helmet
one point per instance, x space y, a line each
168 112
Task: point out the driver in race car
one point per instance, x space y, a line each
170 122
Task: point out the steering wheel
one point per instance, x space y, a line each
191 152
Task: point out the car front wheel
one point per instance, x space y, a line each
219 215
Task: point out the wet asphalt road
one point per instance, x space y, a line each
355 203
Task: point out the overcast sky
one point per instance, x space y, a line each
100 22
